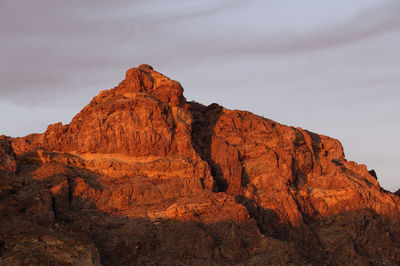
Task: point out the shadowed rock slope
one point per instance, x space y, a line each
141 176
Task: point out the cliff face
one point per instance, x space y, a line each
141 176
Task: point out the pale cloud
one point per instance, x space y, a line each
369 23
50 47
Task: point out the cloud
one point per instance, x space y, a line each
369 23
53 48
60 48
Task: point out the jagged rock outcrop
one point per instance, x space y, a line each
7 155
141 176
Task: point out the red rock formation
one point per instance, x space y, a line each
140 176
7 155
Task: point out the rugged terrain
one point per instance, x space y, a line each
142 176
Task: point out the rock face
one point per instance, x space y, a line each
141 176
7 156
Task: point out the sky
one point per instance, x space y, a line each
329 66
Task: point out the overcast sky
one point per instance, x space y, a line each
330 66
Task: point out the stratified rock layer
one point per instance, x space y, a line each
140 176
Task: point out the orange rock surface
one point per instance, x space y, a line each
141 176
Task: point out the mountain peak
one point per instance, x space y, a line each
139 170
144 79
145 67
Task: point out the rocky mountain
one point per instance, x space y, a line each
143 177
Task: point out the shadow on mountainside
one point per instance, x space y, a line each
83 233
203 130
204 121
37 228
43 223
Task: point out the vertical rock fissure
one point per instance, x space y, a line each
204 121
53 207
70 191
